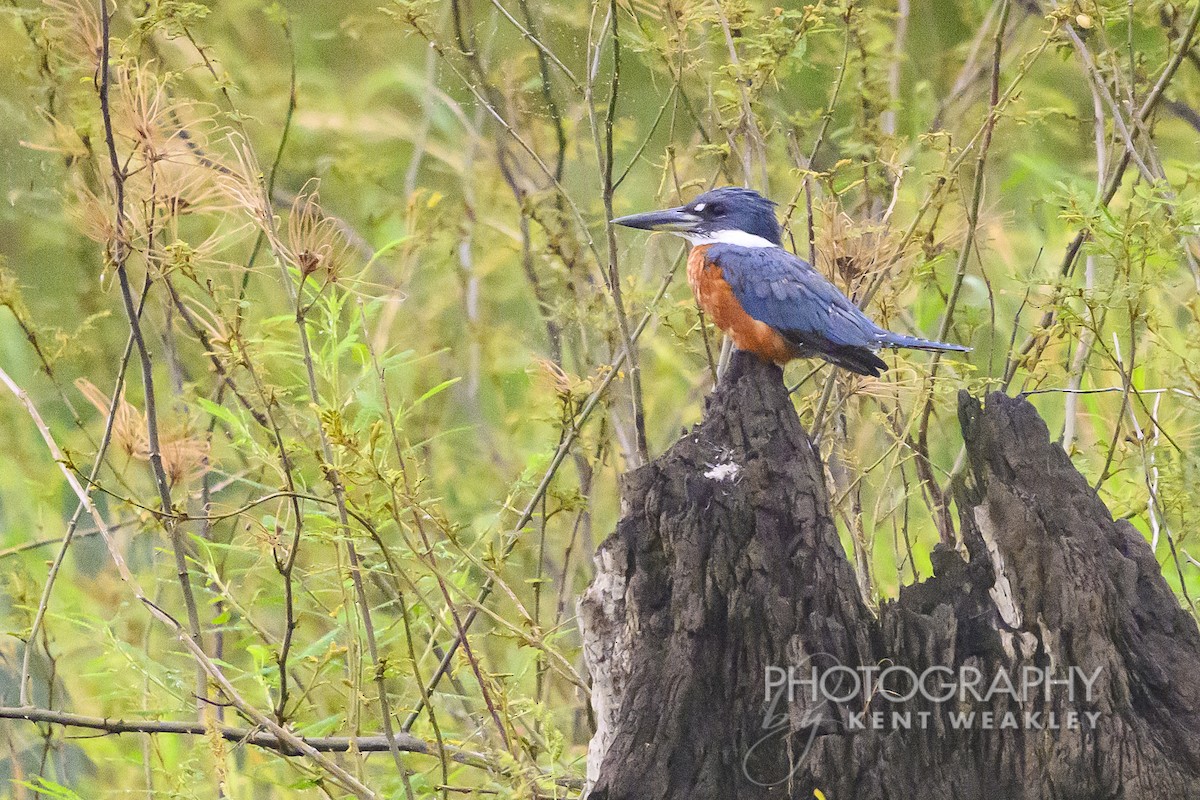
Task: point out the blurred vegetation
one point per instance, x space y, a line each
402 405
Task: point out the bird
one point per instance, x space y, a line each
770 301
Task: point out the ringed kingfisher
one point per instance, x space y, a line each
769 301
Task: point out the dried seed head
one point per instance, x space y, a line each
315 243
129 425
93 215
851 251
182 455
308 262
72 27
157 124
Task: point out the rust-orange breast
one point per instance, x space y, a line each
715 296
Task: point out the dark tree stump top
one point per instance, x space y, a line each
726 562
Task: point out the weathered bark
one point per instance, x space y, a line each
726 562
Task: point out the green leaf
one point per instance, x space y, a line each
219 411
436 390
48 788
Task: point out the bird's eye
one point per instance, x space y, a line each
716 209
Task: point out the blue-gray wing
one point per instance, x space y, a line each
785 292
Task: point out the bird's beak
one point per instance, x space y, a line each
675 220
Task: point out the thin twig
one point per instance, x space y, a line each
119 254
604 154
252 736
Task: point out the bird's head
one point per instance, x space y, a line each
731 215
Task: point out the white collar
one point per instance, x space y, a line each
735 237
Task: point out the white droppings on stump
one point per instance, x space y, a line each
723 472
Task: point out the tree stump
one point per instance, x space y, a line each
726 564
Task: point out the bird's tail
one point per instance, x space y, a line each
889 339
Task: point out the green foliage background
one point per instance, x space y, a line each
464 303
